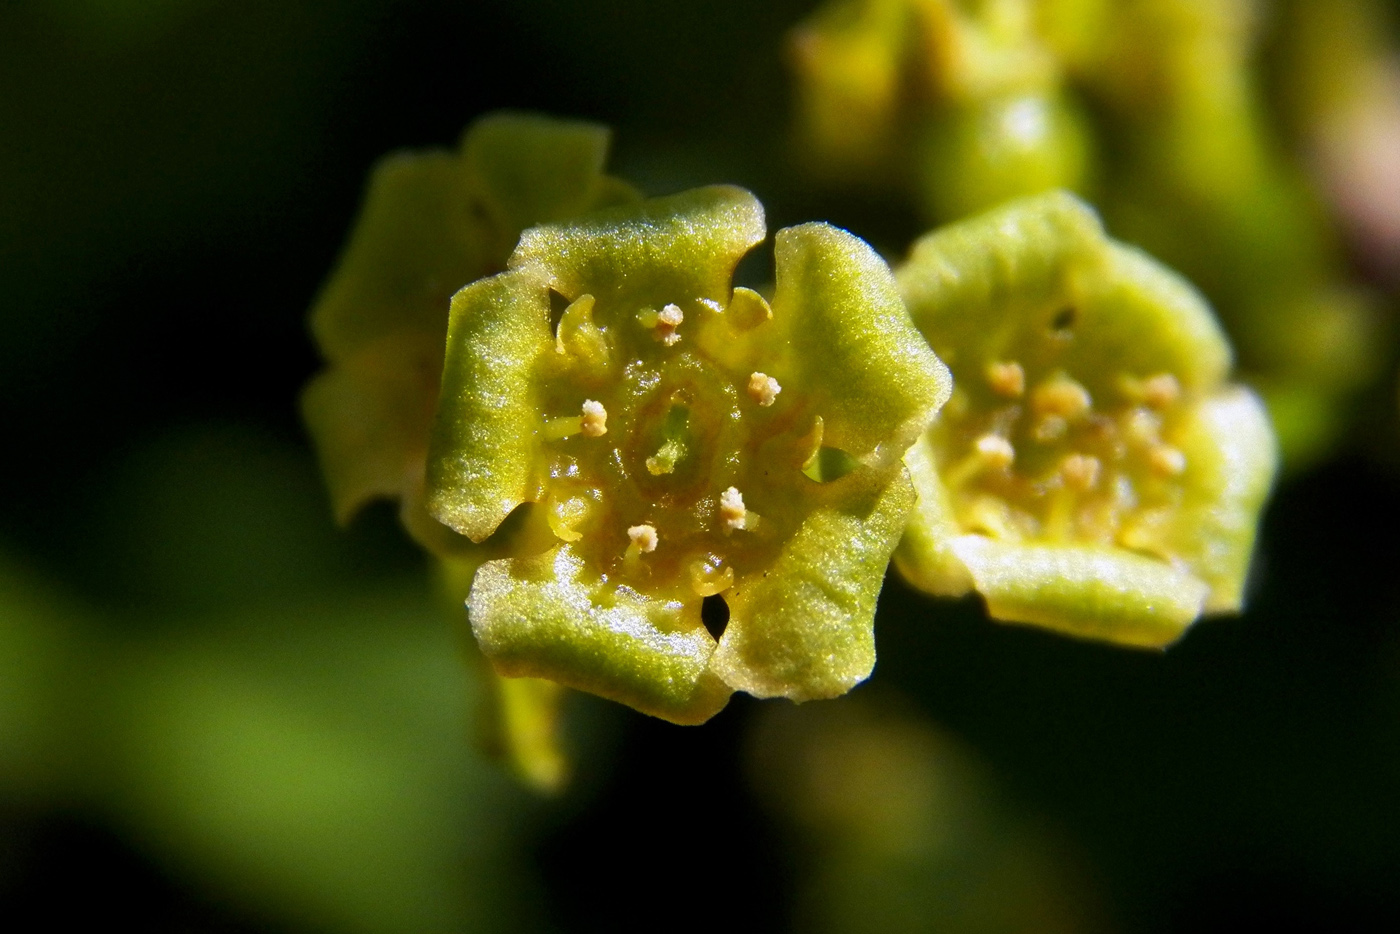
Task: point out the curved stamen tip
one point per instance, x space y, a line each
1007 379
1161 390
763 388
1080 472
643 538
1061 397
668 319
595 419
1167 460
996 451
731 508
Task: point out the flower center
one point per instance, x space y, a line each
1033 456
653 433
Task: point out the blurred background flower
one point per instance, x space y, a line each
218 712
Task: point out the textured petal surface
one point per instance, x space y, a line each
925 555
850 344
543 617
684 246
686 441
1097 593
416 242
804 629
483 453
1094 473
1234 456
369 419
997 283
1015 261
532 169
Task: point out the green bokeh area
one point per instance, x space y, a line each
219 712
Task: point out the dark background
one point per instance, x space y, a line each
177 177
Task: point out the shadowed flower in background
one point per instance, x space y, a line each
431 223
1338 75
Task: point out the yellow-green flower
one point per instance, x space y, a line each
1203 183
679 438
1093 472
431 223
1154 107
959 102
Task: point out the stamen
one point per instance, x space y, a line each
1049 429
1161 390
1007 379
595 419
731 508
665 459
989 516
988 451
747 310
763 388
996 451
1080 472
667 321
556 429
708 577
1141 426
1167 461
643 538
565 516
1062 397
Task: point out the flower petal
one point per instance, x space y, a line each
369 419
541 617
1144 318
1006 265
680 247
1097 593
925 555
998 285
482 456
804 628
415 243
531 169
1233 459
850 346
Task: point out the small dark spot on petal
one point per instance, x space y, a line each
1064 320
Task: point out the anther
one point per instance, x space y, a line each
1161 390
1007 379
643 538
731 508
595 419
1080 472
1141 426
996 451
1060 396
667 321
1167 460
1049 428
763 388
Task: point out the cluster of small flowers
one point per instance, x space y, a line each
620 434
